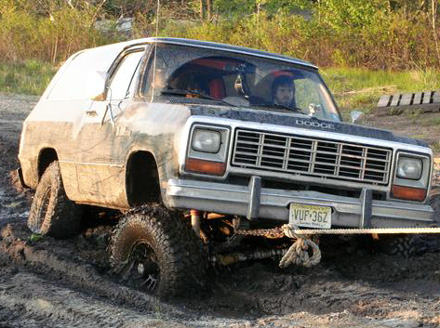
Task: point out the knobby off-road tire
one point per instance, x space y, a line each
52 213
400 245
434 201
154 250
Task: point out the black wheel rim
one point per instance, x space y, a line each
142 269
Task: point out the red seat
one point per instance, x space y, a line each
216 88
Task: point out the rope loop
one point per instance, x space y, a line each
298 253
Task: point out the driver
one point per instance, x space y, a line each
283 91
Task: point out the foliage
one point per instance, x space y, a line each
376 34
49 33
332 33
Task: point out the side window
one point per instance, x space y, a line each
147 83
83 77
124 79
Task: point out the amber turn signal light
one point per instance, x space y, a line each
204 167
408 193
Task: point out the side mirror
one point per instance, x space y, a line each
101 78
240 84
356 116
101 97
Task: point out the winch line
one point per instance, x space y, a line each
359 231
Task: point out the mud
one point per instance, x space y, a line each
68 283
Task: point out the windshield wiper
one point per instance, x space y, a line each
281 106
185 92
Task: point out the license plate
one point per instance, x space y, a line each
310 216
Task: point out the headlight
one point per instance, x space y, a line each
409 168
207 141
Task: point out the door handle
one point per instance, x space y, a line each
91 113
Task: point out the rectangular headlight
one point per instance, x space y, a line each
207 150
207 141
409 168
411 176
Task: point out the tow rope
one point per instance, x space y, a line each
359 231
298 253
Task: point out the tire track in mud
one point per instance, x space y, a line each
64 293
43 301
80 275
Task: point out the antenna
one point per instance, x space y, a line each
157 17
155 50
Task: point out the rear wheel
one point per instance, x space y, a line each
154 250
400 245
52 213
434 201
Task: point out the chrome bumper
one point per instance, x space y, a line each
256 202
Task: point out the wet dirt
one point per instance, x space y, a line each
68 283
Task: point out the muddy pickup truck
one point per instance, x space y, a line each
204 148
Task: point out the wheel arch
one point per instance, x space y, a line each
142 183
45 157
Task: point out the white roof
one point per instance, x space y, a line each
112 50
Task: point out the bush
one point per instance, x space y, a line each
354 33
374 34
25 34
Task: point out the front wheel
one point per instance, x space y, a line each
154 250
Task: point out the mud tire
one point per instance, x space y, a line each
399 245
434 201
167 241
52 213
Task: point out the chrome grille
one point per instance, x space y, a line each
310 156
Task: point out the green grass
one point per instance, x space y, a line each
356 88
349 79
30 77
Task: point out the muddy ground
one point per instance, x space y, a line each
67 283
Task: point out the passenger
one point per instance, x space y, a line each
283 91
190 81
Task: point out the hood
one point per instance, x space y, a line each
301 121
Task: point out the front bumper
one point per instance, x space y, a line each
255 202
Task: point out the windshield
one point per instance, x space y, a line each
237 80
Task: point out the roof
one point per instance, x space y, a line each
209 45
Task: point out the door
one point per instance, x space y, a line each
101 172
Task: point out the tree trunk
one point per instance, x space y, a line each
434 7
209 9
202 10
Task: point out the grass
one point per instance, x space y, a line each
348 79
356 88
436 148
30 77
